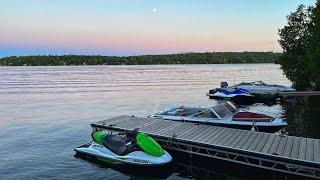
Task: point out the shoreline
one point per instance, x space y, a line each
186 58
101 65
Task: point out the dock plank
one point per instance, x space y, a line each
148 124
299 93
209 134
189 132
302 148
223 135
309 153
295 148
158 127
288 147
128 125
183 129
131 123
274 145
111 121
263 141
214 134
239 138
316 150
175 131
244 139
217 136
227 137
255 143
200 133
234 137
169 130
282 144
249 141
268 144
195 132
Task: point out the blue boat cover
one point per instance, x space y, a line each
234 91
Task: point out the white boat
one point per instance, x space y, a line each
226 115
259 87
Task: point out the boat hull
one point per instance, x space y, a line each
247 100
260 128
236 99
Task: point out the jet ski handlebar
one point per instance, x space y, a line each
133 133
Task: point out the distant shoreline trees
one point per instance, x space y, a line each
185 58
300 40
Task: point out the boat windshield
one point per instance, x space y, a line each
259 83
206 114
222 111
244 84
232 108
182 111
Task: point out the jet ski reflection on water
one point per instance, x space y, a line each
132 147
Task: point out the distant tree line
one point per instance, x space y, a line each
300 40
185 58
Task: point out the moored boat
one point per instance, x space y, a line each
258 87
225 115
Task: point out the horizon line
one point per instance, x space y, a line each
145 54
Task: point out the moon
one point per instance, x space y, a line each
154 10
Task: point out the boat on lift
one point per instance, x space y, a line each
225 115
259 87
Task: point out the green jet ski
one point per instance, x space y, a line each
132 147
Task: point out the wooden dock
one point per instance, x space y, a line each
289 154
299 93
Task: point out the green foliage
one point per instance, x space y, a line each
313 51
300 40
294 36
295 69
186 58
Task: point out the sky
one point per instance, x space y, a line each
134 27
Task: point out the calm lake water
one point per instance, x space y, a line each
45 112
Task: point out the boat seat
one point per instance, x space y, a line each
249 117
116 144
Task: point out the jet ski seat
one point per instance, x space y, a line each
116 144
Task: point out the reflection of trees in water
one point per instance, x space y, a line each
302 116
314 116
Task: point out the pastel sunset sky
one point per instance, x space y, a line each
133 27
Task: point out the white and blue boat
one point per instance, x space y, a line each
237 95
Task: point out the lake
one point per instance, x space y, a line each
45 112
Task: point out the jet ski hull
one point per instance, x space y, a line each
100 154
